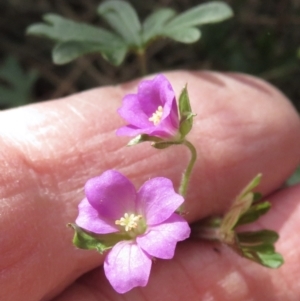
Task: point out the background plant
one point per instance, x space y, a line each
262 39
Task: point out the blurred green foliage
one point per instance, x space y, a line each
262 39
15 85
75 39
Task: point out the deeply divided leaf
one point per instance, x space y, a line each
154 23
122 17
211 12
62 29
184 35
75 39
67 51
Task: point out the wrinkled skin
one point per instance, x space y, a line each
49 150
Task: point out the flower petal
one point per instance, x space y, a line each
88 219
127 266
160 240
132 111
111 194
138 108
157 200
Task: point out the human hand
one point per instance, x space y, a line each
49 150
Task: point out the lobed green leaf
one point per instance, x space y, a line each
68 51
184 35
211 12
122 17
61 29
154 23
75 39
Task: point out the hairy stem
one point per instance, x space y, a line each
187 173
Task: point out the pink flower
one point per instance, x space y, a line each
144 219
152 111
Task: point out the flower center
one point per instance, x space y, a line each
129 222
156 117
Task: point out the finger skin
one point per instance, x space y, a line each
48 151
212 272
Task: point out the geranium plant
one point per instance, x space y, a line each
74 39
132 227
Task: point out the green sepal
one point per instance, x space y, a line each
259 247
185 112
253 213
143 138
90 241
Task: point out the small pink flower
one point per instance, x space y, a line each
152 111
145 219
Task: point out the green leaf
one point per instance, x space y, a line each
185 111
143 138
85 240
154 23
18 90
184 35
212 12
122 17
294 178
271 259
75 39
257 238
259 247
253 213
63 30
68 51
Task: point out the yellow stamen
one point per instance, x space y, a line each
156 117
128 221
